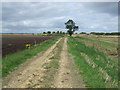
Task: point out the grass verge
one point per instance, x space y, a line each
92 76
11 62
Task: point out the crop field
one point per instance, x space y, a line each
15 43
106 44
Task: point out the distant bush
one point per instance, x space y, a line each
44 32
58 32
53 32
83 33
49 32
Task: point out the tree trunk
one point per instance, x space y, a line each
70 34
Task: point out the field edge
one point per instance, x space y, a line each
12 62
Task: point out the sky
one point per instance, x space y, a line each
38 17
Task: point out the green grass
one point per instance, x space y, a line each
92 76
54 64
0 68
11 62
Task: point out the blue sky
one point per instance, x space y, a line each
37 17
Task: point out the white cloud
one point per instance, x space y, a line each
60 0
36 17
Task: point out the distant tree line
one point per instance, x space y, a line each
102 33
57 32
94 33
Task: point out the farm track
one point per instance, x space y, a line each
38 72
68 76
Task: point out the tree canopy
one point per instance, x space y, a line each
70 25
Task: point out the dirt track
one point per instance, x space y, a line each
68 76
33 74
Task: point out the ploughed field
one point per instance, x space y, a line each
15 43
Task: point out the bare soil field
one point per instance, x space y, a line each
15 43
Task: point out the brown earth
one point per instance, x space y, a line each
15 43
53 68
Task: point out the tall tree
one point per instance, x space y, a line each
70 25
